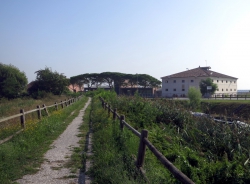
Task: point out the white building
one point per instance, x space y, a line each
177 85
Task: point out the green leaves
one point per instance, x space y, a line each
12 81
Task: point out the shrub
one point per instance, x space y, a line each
194 96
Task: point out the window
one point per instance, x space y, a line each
218 89
192 80
217 81
183 89
226 81
166 81
230 89
222 81
221 89
183 81
234 81
174 89
234 89
226 89
174 81
166 89
230 81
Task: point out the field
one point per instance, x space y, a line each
206 151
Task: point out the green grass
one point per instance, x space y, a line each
206 151
23 154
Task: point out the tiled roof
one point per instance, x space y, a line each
199 72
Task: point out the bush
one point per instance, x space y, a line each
194 96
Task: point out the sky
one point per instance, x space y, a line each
154 37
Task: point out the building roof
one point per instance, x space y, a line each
199 72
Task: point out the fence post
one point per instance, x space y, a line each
114 114
45 108
62 104
121 123
66 103
230 97
109 110
102 104
245 97
237 97
22 118
105 107
56 106
142 149
39 114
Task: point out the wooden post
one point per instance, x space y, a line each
22 118
56 106
230 97
105 107
245 97
114 114
109 110
121 123
142 149
39 114
45 108
62 104
237 97
102 104
66 103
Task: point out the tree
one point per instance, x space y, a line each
49 81
194 96
12 81
205 83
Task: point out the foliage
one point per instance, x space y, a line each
208 82
12 81
194 96
116 80
49 81
204 150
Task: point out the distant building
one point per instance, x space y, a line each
177 85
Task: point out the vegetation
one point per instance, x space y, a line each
115 80
205 83
48 81
24 152
206 151
194 96
12 81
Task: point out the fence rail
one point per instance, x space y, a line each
39 113
142 147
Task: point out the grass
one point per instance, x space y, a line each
23 154
12 107
206 151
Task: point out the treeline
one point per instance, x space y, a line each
115 80
14 83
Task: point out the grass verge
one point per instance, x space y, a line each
23 154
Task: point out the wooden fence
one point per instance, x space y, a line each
39 113
142 146
230 97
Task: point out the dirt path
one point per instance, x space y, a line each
52 171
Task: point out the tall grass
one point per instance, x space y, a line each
206 151
24 152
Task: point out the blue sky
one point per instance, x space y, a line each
158 38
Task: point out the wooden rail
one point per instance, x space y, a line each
142 147
39 113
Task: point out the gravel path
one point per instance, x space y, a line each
52 171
